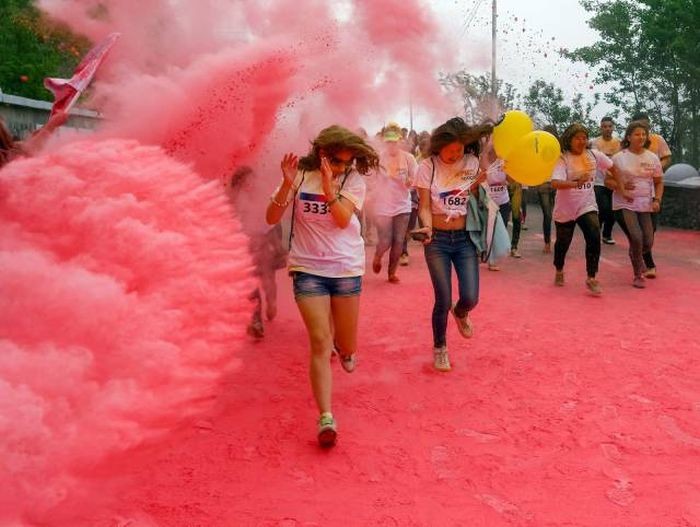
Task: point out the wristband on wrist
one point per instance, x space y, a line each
274 201
334 200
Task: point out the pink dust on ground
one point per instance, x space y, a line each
124 283
563 409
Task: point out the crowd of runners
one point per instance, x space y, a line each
444 189
352 191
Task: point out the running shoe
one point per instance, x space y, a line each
638 282
403 259
377 265
441 361
609 241
327 430
515 254
348 362
650 273
466 329
593 287
256 329
494 267
394 279
559 278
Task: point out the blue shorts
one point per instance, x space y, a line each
306 284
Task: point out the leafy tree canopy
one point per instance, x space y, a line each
32 48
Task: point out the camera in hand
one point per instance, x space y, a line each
419 236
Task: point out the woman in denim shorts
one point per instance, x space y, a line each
326 254
444 182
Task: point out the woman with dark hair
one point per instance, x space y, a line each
575 202
638 188
327 255
444 182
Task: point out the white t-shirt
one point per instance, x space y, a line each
449 190
609 148
319 246
497 183
389 185
641 169
571 203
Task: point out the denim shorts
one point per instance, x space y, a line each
306 284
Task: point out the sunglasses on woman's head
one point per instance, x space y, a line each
333 160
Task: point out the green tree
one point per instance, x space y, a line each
545 104
475 91
33 48
649 55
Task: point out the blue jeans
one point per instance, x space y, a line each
391 233
306 284
447 249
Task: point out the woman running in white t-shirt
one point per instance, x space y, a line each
391 184
639 187
444 182
327 253
575 203
497 181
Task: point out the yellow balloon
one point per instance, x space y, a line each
532 159
513 125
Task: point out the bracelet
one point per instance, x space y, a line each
329 203
656 199
281 205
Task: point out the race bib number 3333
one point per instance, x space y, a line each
313 203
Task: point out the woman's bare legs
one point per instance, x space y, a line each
315 310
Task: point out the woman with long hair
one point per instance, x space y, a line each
326 256
638 189
575 202
444 182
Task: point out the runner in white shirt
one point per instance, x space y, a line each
639 187
497 181
575 202
326 257
610 146
657 145
391 183
444 182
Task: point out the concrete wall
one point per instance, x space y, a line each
22 116
680 207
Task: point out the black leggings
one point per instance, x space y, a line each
590 226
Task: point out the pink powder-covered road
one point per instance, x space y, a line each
564 409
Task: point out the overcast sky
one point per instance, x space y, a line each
530 35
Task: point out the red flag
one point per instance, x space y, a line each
67 91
